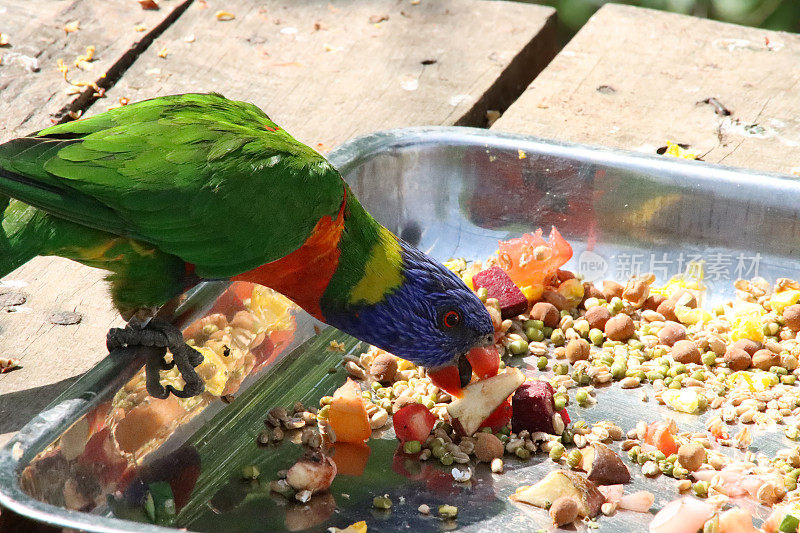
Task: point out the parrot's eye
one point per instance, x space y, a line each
450 319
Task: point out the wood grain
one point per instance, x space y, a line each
340 74
326 71
34 92
33 95
635 78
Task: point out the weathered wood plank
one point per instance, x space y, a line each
633 78
338 74
32 88
33 94
327 71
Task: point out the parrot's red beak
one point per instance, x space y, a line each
483 361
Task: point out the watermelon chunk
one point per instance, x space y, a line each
499 285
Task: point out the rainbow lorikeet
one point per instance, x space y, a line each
170 191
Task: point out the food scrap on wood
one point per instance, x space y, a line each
224 16
7 365
72 26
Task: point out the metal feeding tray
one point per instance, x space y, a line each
87 461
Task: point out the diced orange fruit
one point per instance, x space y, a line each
348 415
532 293
659 435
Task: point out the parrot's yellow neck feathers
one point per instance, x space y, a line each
382 271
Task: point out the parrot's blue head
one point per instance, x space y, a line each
431 319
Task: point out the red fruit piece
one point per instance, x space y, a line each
499 418
413 422
658 434
533 407
499 285
104 457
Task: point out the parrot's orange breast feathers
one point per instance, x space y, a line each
304 274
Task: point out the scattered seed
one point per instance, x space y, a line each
382 502
448 511
497 465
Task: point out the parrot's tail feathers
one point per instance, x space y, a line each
20 234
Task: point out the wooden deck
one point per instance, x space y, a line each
328 71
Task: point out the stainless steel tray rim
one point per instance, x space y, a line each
711 176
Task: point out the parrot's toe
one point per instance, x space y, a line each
161 335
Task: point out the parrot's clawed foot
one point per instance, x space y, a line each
161 335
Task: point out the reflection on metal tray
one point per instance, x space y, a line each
453 192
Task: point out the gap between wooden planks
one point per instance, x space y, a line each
635 78
326 71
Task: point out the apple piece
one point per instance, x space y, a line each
612 493
481 398
73 440
738 520
682 516
499 285
603 466
533 407
562 483
640 501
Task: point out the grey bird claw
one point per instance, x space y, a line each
161 335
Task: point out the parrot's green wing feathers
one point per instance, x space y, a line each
210 180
